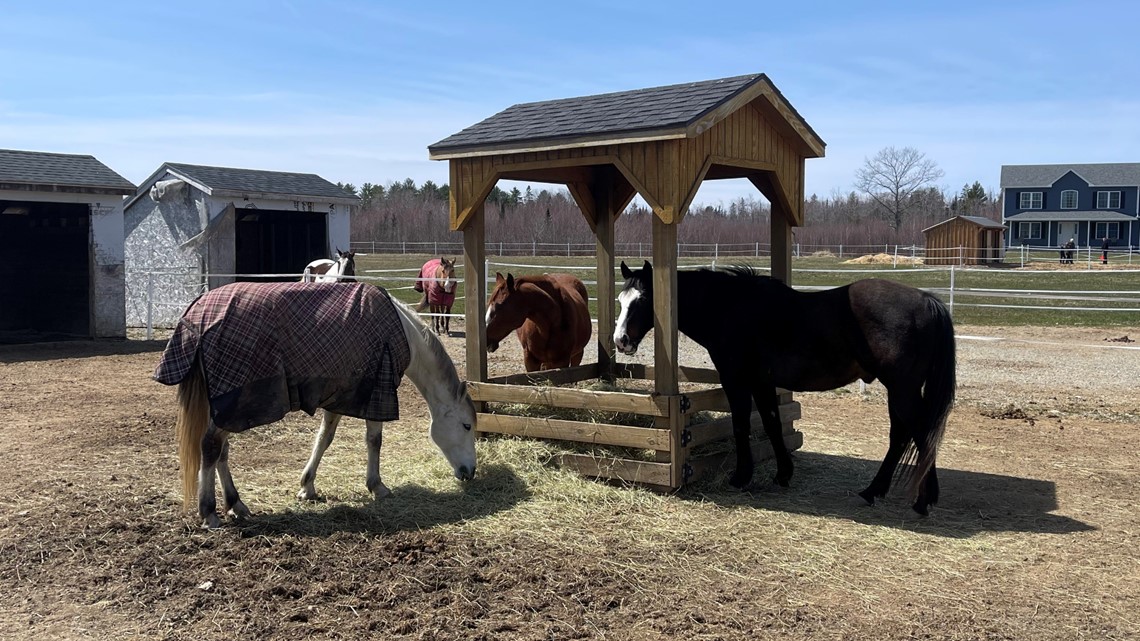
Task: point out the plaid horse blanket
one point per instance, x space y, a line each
435 293
271 348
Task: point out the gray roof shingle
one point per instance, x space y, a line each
1109 174
623 112
47 169
983 221
1081 216
258 181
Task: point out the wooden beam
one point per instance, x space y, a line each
665 307
535 146
634 403
606 211
559 174
560 376
781 244
721 429
471 183
576 431
475 295
686 373
584 197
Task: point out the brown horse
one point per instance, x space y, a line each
550 313
437 282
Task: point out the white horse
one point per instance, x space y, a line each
204 448
325 270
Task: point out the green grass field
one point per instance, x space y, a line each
1075 288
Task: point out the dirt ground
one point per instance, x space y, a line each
1035 538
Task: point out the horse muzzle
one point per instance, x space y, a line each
463 473
625 345
492 346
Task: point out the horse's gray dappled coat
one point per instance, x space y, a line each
271 348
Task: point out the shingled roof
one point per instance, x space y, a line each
44 171
642 113
1109 174
250 183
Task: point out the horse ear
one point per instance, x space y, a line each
625 272
510 282
647 267
498 278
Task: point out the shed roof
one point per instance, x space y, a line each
1110 174
641 114
980 221
46 171
252 183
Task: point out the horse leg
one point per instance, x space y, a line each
375 438
446 311
904 408
928 494
740 404
234 505
531 362
769 405
212 446
321 443
576 358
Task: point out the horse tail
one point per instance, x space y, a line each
190 427
422 305
937 394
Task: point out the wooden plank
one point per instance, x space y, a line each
628 470
579 432
687 374
560 376
721 428
565 143
678 449
781 243
645 404
475 294
761 451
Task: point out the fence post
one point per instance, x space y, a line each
841 250
758 249
639 250
403 246
951 289
435 246
961 255
486 272
150 306
567 249
895 260
533 248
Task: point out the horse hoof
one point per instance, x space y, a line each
211 522
381 492
239 511
921 509
740 480
868 497
308 494
782 482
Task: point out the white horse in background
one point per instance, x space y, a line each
325 270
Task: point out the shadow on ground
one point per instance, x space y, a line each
970 503
410 507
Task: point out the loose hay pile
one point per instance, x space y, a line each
883 259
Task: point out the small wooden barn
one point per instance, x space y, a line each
964 240
61 244
194 226
659 143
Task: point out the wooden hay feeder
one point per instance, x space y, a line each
659 143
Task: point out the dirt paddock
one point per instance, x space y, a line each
1036 536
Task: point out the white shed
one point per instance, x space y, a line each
190 227
61 244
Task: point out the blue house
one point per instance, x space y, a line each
1046 205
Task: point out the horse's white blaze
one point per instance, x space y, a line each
449 285
490 310
626 299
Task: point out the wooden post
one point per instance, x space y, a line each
475 295
605 207
665 307
781 244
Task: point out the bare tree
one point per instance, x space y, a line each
893 177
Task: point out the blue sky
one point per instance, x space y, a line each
355 91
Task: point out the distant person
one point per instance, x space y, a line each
1104 251
1068 254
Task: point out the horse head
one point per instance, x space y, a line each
505 311
636 299
445 274
346 260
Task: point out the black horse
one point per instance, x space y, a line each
809 342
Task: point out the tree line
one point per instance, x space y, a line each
893 201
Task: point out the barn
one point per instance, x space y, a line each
61 242
964 240
189 227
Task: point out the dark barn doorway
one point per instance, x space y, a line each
278 242
45 291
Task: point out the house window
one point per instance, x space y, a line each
1111 230
1029 231
1031 200
1107 200
1069 199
